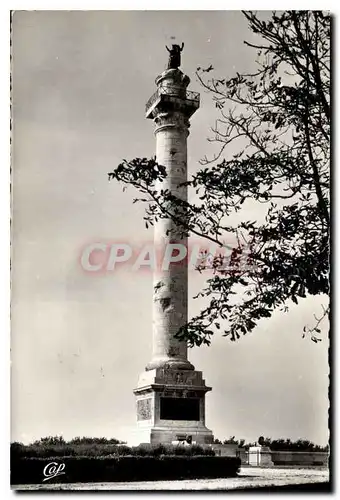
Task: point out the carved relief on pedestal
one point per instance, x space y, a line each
179 377
167 393
173 393
144 409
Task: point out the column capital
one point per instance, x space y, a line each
174 120
172 95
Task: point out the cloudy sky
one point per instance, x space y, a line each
79 340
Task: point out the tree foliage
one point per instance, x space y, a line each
100 447
277 119
280 444
288 445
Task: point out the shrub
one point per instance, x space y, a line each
44 449
50 441
95 440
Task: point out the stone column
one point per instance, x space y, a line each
170 394
170 303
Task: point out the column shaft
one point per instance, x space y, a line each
170 301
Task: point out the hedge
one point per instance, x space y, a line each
42 450
124 468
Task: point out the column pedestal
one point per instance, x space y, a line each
171 407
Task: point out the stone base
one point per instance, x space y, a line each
170 434
174 364
171 407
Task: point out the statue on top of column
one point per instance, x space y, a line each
174 56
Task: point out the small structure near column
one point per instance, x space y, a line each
259 455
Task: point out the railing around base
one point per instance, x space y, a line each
188 95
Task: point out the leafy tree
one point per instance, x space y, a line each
288 445
279 444
95 440
231 440
266 441
277 119
50 441
299 445
261 440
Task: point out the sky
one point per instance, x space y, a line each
80 340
